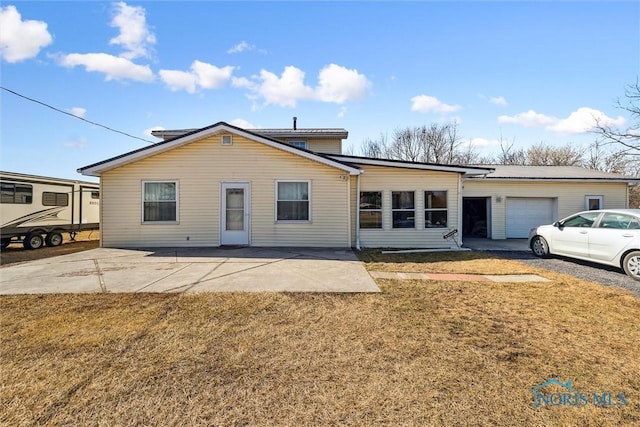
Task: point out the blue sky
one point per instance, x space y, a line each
530 72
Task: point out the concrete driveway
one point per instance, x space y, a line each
191 270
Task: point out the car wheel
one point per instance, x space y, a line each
54 239
631 265
33 241
540 247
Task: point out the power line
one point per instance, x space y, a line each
74 116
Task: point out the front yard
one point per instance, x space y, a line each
419 353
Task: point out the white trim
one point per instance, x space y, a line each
414 210
245 185
97 169
292 221
412 165
151 181
425 209
374 210
588 197
298 141
358 213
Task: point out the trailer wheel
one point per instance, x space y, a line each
33 241
53 239
5 243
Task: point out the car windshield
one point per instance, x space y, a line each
585 219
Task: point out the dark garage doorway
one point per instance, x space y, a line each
475 214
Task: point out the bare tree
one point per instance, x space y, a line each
545 155
628 138
376 148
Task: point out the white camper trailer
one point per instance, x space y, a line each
36 210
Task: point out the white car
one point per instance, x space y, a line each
607 236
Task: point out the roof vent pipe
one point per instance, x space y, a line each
295 120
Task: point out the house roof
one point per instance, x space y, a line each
319 133
467 170
97 169
552 173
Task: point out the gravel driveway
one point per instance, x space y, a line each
592 272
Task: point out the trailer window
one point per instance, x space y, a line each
55 199
95 195
16 193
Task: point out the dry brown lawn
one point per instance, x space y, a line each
420 353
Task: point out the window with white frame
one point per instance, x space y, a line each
435 209
592 203
403 211
160 201
371 209
292 200
299 144
226 140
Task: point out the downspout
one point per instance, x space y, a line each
358 212
460 209
349 210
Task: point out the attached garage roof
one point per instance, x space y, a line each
552 173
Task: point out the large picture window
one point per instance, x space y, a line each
371 209
16 193
160 201
292 201
435 209
403 209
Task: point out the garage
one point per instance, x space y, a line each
524 213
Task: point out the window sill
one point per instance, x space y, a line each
160 223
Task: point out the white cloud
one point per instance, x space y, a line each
285 90
134 35
342 112
210 76
580 121
244 83
425 104
76 144
20 40
115 68
481 142
78 112
201 75
147 132
498 100
179 80
241 47
528 119
242 123
339 84
336 84
583 120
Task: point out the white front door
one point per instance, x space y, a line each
234 214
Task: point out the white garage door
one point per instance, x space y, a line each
525 213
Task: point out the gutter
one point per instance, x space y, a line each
358 212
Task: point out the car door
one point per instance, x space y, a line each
614 232
571 236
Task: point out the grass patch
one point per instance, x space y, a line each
420 353
463 262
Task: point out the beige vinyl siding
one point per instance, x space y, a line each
389 179
199 168
569 197
327 146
